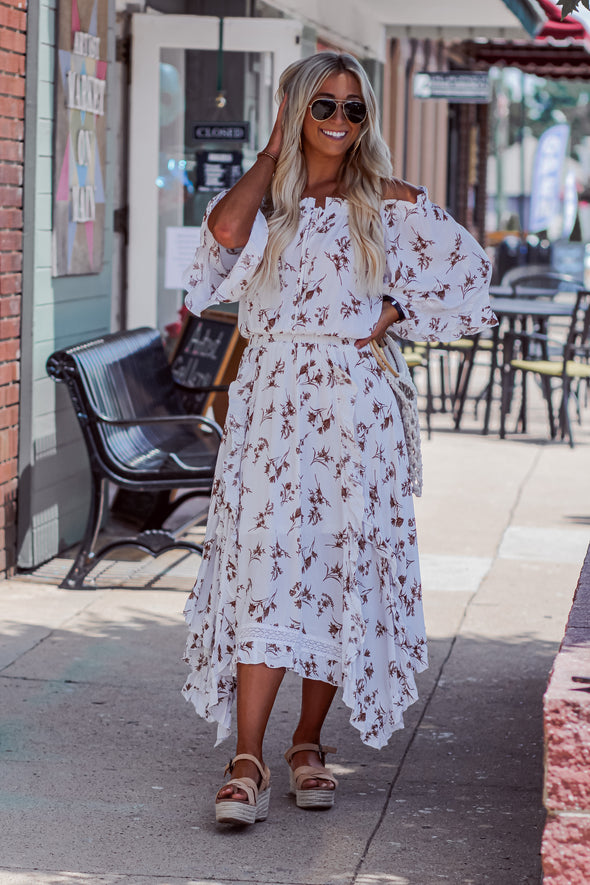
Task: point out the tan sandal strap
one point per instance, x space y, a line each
263 769
246 784
307 772
317 748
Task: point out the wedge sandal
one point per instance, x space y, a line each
312 798
255 808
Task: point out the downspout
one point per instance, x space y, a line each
407 93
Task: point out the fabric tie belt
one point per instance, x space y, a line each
261 339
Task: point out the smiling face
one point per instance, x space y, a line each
335 136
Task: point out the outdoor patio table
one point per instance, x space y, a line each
524 311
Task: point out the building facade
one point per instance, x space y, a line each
133 115
13 28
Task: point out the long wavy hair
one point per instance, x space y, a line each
364 169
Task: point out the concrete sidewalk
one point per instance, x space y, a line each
109 777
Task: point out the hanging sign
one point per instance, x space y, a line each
459 87
221 131
80 137
547 177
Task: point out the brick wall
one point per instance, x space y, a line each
566 714
13 23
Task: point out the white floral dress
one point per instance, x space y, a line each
310 559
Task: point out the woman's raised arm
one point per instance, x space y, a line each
232 218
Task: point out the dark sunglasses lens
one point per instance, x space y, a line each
355 111
323 109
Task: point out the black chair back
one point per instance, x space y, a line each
543 285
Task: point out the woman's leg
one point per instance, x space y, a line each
316 698
257 687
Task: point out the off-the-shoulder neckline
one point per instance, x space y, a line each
421 195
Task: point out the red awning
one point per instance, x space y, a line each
569 28
561 49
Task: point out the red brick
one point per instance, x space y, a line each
10 306
8 492
9 394
12 40
8 372
12 85
9 350
9 328
11 151
9 416
7 509
11 241
8 470
13 18
10 489
19 4
11 63
11 173
11 196
9 444
10 284
12 107
13 129
11 218
11 261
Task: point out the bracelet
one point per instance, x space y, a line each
267 154
401 314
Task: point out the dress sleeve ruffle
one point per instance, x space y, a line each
221 275
437 272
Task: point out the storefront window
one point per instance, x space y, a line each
214 114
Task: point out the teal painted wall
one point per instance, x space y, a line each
53 467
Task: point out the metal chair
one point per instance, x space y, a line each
569 363
543 284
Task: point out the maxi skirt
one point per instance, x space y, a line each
310 557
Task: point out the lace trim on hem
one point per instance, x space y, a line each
291 640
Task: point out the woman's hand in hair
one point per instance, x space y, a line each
231 219
275 142
388 316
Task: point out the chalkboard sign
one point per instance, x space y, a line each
207 355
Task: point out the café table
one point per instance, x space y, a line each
524 311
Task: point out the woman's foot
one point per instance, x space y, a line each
231 791
245 798
311 782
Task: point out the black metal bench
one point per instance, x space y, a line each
138 434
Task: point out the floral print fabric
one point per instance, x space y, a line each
310 557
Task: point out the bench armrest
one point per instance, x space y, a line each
209 388
156 419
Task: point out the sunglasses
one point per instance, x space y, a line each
324 108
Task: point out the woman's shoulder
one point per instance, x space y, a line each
396 189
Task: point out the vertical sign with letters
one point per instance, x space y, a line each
80 137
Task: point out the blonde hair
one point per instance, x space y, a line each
365 167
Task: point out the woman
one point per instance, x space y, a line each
310 560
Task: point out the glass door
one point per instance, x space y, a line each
201 107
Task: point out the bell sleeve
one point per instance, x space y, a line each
436 271
221 275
